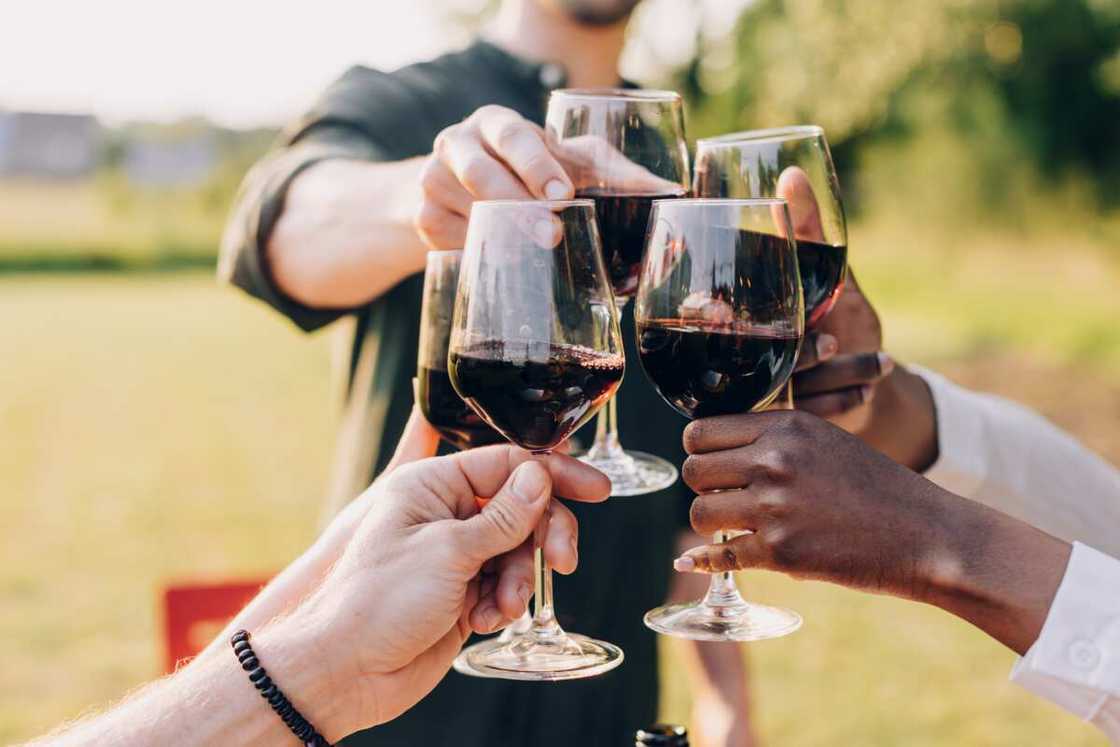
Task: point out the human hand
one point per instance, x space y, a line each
385 623
822 505
494 154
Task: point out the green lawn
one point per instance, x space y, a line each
162 427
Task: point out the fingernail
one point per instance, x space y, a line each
545 233
826 346
865 392
525 593
529 482
684 564
886 363
555 190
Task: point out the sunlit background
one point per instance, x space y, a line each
156 427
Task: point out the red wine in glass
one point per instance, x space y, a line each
535 394
622 220
715 368
456 422
823 268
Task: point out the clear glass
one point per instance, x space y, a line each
536 351
720 317
623 149
793 163
456 422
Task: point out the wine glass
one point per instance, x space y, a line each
623 149
440 404
720 317
793 163
536 351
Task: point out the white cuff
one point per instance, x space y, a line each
962 464
1076 660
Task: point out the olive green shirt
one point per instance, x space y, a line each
626 545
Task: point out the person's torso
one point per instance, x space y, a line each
626 545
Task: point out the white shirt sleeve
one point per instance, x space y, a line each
1015 461
1076 660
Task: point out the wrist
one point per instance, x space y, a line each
903 421
294 653
998 573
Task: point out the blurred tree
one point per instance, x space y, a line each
1025 89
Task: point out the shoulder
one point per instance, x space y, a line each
387 104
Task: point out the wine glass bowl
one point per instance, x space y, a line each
720 318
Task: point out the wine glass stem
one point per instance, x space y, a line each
544 614
607 445
722 591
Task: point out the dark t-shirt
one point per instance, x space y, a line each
626 545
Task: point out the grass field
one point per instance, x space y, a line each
158 427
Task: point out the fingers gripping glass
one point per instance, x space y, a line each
536 351
795 164
623 149
720 318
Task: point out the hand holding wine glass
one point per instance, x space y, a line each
720 318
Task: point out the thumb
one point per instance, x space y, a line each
419 441
510 516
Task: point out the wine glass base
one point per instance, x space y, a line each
744 621
525 657
633 472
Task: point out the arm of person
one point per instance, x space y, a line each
351 646
1017 462
822 505
718 675
329 222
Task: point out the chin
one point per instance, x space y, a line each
597 12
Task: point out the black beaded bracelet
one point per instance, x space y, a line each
270 692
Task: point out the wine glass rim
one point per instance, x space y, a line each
621 94
725 201
791 132
576 202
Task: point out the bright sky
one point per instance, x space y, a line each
244 62
240 62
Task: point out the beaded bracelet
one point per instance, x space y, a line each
300 726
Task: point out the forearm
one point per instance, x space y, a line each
211 701
996 572
345 235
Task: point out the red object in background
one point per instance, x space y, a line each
194 613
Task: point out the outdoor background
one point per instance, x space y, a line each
155 426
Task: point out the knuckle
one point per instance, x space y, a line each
698 514
694 436
474 174
779 461
509 136
691 470
502 519
783 551
442 143
430 174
